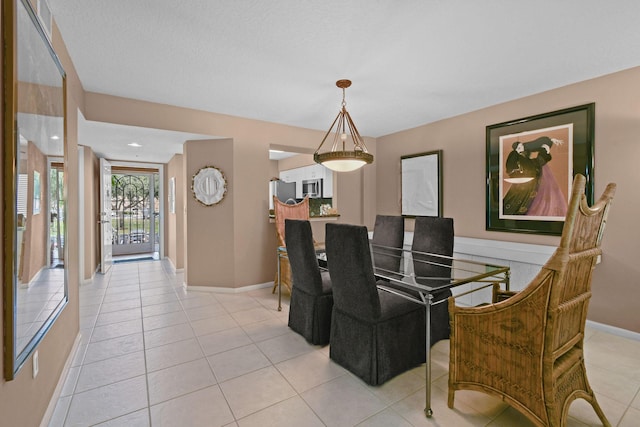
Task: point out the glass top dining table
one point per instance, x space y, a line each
427 272
417 276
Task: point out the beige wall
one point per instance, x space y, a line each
617 150
91 208
253 235
273 169
209 230
34 251
296 161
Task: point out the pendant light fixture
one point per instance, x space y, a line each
339 158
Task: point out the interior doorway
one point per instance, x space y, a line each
135 213
56 204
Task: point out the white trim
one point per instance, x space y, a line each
511 251
160 168
172 265
161 211
498 249
93 276
46 418
81 246
219 290
613 330
35 278
45 17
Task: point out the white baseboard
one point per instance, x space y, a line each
93 276
63 378
220 290
624 333
172 265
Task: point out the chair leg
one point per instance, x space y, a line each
599 412
285 284
451 395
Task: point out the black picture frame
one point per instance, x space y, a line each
526 197
421 184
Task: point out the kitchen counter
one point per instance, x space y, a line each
313 218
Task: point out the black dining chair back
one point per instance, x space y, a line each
388 231
311 296
434 235
374 334
353 268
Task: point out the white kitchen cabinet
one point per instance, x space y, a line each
316 171
286 175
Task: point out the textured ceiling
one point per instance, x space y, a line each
411 62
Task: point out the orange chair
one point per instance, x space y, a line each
281 212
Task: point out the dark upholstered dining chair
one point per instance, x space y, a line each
388 230
434 235
374 334
311 297
528 349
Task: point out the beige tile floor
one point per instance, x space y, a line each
153 353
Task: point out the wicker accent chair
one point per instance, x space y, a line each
528 348
283 211
311 297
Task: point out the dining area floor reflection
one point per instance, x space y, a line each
154 353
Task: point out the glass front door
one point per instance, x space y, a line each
134 213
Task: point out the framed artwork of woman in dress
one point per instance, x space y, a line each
530 167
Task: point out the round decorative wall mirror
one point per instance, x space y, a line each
209 185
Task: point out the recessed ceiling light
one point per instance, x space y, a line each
55 137
134 144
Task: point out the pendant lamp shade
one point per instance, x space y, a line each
348 151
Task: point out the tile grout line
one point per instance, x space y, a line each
144 348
